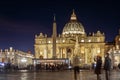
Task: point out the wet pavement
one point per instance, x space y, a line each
61 75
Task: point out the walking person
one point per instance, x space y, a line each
107 66
98 67
76 63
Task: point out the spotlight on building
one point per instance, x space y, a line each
24 60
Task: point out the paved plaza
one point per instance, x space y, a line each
61 75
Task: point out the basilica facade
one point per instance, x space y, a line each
73 40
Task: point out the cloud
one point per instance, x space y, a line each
19 26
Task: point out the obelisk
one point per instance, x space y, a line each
54 37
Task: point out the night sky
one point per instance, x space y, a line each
21 20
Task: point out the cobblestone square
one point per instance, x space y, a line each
61 75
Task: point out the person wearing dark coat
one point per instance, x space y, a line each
98 67
76 63
107 66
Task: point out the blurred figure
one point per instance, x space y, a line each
107 66
98 67
76 63
119 65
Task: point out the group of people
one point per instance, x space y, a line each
107 67
52 67
98 67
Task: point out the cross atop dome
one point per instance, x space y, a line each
73 16
54 18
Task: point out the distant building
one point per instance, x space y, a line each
16 57
114 50
73 40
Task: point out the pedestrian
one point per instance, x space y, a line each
76 63
98 67
119 65
107 66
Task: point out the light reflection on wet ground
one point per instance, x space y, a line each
61 75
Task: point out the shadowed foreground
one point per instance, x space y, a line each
61 75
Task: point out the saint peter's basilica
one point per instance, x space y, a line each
73 40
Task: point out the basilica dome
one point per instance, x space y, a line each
73 27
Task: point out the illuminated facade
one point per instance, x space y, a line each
73 40
114 51
16 57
